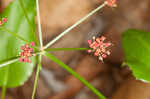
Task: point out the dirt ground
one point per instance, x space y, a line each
110 78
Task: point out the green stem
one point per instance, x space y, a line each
70 70
13 60
3 92
8 62
36 76
74 25
66 49
39 23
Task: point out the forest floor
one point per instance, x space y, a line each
110 78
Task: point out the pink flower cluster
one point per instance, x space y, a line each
4 20
111 3
26 53
99 48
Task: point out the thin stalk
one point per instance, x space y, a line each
8 62
74 25
39 23
5 81
36 77
66 49
2 64
3 92
70 70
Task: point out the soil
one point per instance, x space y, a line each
114 81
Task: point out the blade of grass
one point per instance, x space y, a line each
37 76
39 23
67 68
66 49
74 25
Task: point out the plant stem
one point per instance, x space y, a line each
66 49
15 59
74 25
8 62
70 70
39 23
36 76
3 92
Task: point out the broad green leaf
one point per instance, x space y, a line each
17 73
70 70
136 46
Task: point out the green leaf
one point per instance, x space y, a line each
14 34
136 46
67 68
17 73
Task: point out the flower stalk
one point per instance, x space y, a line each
39 23
75 25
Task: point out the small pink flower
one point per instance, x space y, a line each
108 52
1 23
102 38
32 43
104 55
103 49
34 54
111 3
22 47
97 52
4 20
99 47
21 54
90 41
93 45
30 49
26 46
21 59
107 44
29 61
26 53
25 59
89 51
